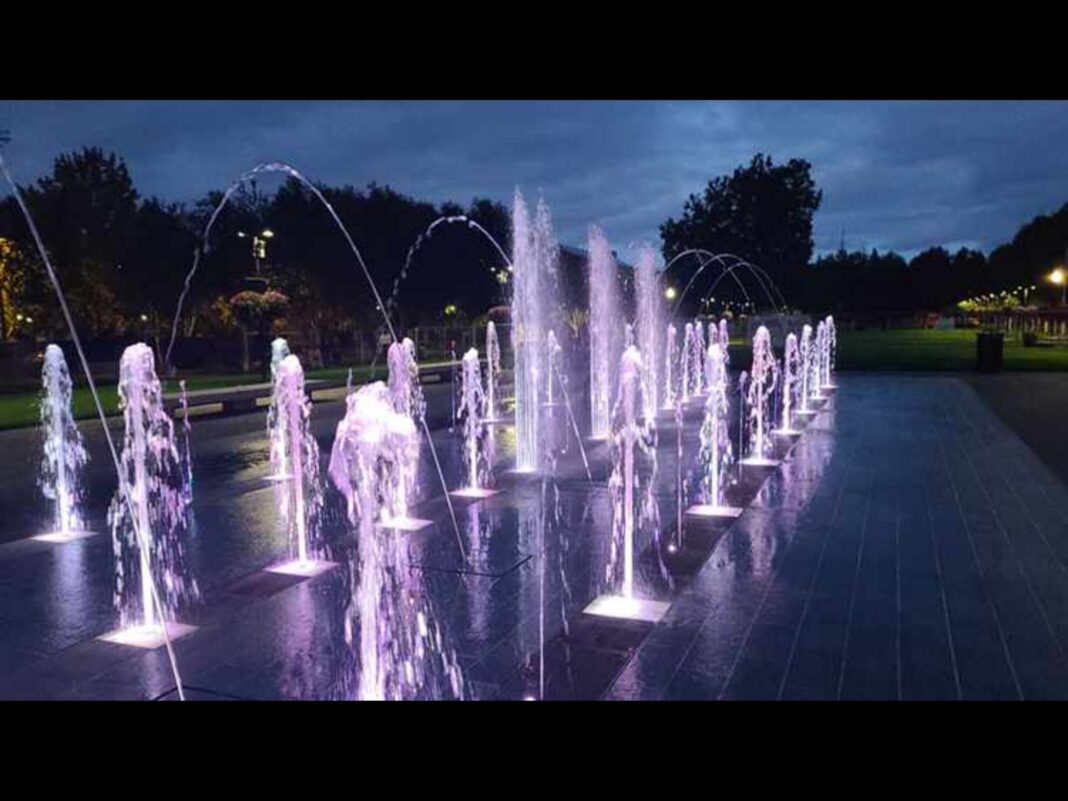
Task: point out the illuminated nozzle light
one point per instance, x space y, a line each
64 455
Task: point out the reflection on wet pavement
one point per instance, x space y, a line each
908 546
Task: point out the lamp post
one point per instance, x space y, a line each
259 247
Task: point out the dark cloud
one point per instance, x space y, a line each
895 175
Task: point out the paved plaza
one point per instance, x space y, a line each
909 546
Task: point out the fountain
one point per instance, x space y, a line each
277 435
533 276
695 358
64 454
670 354
406 398
604 318
627 497
148 513
763 376
399 648
715 451
186 450
300 498
684 362
650 322
807 355
830 345
493 372
725 340
472 411
819 354
791 367
552 356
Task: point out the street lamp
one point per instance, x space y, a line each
670 293
1058 278
259 245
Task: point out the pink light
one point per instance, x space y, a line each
712 510
307 568
63 536
405 523
148 637
477 493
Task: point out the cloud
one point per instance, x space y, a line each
895 175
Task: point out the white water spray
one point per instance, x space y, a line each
153 502
401 654
493 371
603 327
64 454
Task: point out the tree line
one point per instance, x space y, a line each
122 258
763 212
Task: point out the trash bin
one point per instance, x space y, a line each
988 353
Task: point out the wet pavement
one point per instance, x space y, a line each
909 546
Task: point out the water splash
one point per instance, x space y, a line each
552 358
279 350
670 355
830 346
493 371
153 501
632 504
693 359
603 327
300 498
472 412
715 453
763 377
277 434
401 652
819 356
187 445
64 455
807 353
684 362
791 369
406 399
533 308
650 323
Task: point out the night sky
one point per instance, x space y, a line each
895 175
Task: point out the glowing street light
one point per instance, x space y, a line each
1058 278
670 293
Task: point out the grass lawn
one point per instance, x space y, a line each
18 410
936 350
918 349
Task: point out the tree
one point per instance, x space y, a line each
762 213
85 211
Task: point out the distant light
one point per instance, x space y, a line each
1057 276
144 318
267 233
450 310
242 234
670 293
29 319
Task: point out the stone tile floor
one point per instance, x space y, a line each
910 546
